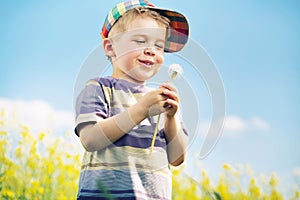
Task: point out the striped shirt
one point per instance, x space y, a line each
124 169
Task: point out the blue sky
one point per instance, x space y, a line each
255 46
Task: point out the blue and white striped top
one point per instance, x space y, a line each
124 169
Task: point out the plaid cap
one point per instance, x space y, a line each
179 27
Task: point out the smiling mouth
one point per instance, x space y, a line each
147 63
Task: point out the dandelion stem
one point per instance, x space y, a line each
154 135
174 71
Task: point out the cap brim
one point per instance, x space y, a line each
178 31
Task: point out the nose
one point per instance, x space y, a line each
149 51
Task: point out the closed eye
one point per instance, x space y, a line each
139 41
159 46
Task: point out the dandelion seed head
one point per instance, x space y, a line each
174 70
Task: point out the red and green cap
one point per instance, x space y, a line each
179 27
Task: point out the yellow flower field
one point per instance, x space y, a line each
32 168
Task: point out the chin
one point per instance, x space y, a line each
142 78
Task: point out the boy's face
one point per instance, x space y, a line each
139 52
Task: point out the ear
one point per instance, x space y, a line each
108 47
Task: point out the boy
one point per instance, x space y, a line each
116 116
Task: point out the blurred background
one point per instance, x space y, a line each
255 48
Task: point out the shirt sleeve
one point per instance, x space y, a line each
91 105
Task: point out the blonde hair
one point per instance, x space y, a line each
122 23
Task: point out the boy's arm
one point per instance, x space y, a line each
101 134
177 140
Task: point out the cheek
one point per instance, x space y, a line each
124 49
160 58
127 55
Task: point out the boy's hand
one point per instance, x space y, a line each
163 99
153 102
172 100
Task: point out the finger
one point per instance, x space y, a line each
167 106
172 107
169 86
159 91
172 103
162 98
171 95
156 109
157 95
